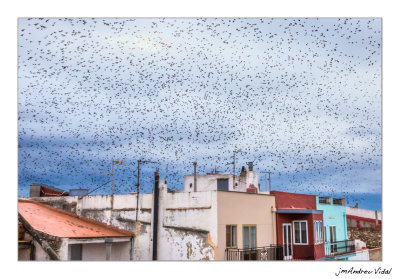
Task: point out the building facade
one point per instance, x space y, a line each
299 226
335 225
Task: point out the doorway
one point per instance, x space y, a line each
287 242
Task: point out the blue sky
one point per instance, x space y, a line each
299 97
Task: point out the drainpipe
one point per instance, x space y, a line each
273 211
131 251
195 176
155 214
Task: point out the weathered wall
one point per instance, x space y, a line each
187 225
372 237
119 212
187 217
243 209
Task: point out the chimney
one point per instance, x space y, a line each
195 176
356 206
250 164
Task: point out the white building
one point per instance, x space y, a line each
247 181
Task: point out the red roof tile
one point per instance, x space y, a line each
60 223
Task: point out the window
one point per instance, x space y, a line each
325 235
249 236
318 237
223 184
231 236
300 232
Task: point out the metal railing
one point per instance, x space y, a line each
267 253
339 247
339 201
324 200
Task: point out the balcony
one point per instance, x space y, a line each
333 249
267 253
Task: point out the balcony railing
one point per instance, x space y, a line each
267 253
333 249
324 200
339 202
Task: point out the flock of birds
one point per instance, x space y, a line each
298 97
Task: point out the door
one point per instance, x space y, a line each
287 242
76 252
250 242
332 231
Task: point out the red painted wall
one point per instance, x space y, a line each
284 200
47 192
367 220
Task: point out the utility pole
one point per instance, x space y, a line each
112 179
112 176
138 186
155 214
269 180
138 189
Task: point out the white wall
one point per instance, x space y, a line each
362 213
97 251
362 255
187 227
120 213
208 182
187 222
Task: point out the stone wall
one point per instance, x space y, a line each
375 254
372 237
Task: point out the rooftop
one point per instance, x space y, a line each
60 223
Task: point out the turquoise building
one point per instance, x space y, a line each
335 225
